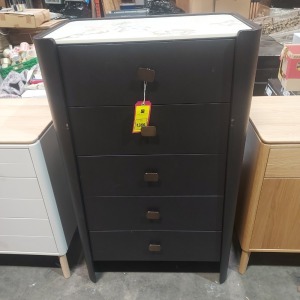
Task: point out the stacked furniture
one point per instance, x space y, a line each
268 216
169 192
267 64
36 214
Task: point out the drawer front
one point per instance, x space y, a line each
25 227
177 175
166 246
154 213
27 245
185 72
34 209
179 129
19 188
283 163
16 163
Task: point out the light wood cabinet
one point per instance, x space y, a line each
36 215
268 211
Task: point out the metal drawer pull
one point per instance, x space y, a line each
145 74
151 177
153 215
148 131
154 248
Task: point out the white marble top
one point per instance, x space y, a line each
148 29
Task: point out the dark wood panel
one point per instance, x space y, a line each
180 129
174 246
178 175
259 88
185 72
168 213
262 75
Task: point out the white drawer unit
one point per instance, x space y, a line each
36 213
19 188
25 227
16 163
28 244
20 208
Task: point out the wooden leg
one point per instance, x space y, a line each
64 266
244 261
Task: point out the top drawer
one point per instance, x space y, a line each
16 163
283 163
185 72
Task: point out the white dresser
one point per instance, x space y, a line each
36 213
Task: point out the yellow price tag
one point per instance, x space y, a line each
141 115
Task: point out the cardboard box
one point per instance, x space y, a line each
196 6
18 35
207 6
31 18
289 70
233 6
2 3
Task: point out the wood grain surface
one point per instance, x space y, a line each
254 164
109 5
277 223
268 210
284 163
276 119
23 121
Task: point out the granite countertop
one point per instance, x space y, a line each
147 29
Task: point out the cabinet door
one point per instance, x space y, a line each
277 224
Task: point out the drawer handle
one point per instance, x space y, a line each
151 177
153 215
146 74
148 131
154 248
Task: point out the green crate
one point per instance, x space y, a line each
27 65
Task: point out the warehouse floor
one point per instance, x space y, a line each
269 276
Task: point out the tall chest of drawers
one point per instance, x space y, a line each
169 196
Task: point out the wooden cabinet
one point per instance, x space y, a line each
36 214
168 197
268 216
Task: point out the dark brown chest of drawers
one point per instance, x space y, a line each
171 196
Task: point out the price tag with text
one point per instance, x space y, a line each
141 115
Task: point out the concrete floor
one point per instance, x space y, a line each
40 278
